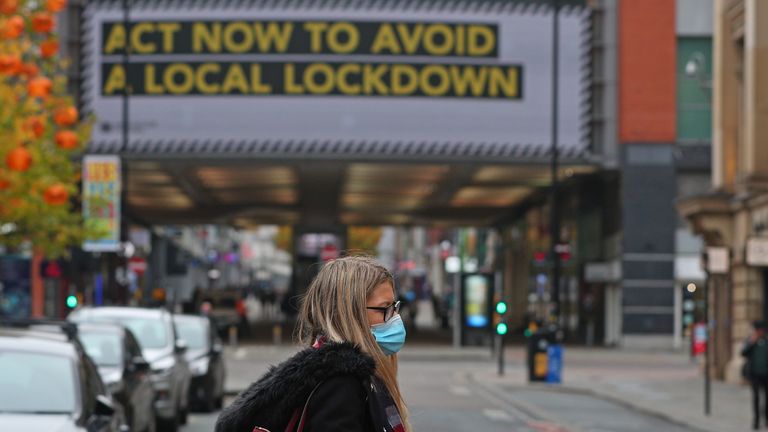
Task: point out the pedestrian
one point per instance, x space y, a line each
346 378
756 369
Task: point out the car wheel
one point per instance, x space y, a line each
168 425
152 423
183 415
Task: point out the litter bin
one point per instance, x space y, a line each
555 363
538 343
545 355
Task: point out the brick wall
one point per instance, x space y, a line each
647 58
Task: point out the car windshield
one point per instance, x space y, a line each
104 348
36 383
151 333
194 332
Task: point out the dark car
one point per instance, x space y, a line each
204 354
162 348
123 369
227 309
48 383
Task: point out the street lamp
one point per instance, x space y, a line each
554 222
695 68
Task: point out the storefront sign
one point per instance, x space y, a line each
101 202
323 72
757 252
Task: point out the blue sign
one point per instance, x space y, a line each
555 364
15 297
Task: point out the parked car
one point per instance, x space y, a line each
164 351
48 382
123 369
206 362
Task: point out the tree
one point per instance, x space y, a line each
41 133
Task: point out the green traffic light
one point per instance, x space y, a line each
528 333
501 308
72 302
502 328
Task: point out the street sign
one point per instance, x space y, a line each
757 251
717 260
137 265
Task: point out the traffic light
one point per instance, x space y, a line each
72 301
501 307
500 319
501 329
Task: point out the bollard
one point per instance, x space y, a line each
277 334
232 335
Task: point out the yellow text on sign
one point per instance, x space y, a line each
344 79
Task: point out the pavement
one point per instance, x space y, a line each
604 390
663 384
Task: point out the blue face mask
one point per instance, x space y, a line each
390 335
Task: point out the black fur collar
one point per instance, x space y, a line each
286 386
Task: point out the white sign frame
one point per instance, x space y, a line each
185 123
757 251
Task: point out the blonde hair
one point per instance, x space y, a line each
334 307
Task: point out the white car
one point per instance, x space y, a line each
162 348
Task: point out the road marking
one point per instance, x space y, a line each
547 427
240 353
498 415
460 391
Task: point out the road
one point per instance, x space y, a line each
444 395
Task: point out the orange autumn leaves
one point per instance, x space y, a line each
41 132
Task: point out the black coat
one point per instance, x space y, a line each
348 398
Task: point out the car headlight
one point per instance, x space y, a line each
199 366
163 367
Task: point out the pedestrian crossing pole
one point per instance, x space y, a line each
501 329
707 384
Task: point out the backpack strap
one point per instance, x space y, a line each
300 416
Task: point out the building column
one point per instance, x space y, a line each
755 90
725 90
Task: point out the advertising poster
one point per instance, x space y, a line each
101 202
476 301
402 77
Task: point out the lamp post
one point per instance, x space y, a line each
554 208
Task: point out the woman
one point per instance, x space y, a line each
347 380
